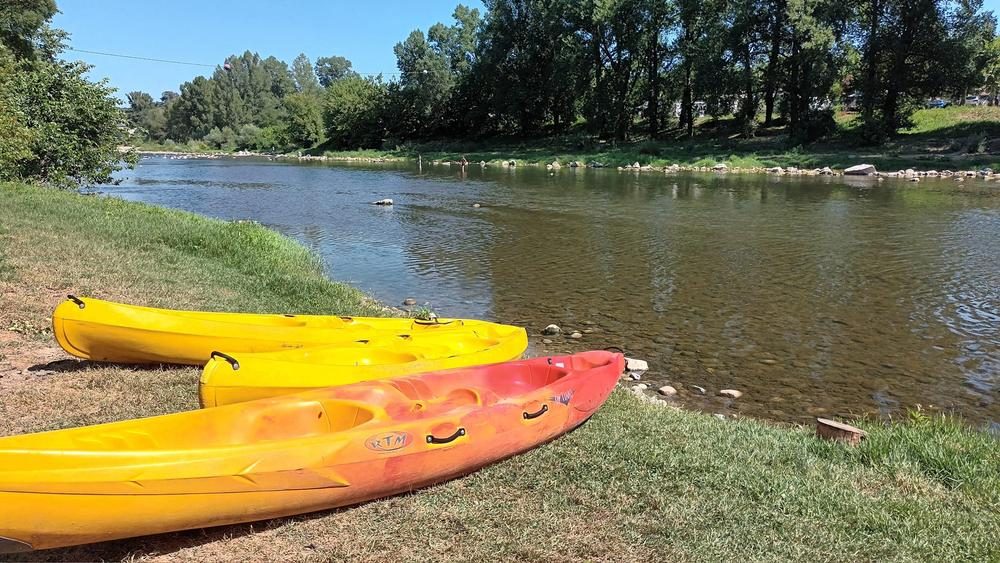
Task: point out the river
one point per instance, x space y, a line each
814 296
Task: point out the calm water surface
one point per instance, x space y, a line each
813 296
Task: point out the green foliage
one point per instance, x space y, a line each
352 112
304 76
60 128
305 118
611 68
22 23
332 69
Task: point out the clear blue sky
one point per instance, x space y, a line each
207 31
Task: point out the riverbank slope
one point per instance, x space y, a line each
956 138
638 482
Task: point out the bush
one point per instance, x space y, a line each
56 126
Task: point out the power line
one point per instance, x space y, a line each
119 55
140 58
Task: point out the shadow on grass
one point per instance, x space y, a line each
72 365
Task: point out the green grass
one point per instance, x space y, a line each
639 482
104 246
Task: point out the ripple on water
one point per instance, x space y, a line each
862 298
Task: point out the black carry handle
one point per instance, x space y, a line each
431 439
435 321
232 361
79 302
536 414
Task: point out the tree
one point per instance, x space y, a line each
76 125
352 112
305 118
193 114
991 69
304 76
16 139
426 80
905 47
332 69
57 127
813 65
22 23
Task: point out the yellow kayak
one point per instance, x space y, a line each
236 377
114 332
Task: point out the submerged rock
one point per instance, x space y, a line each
576 335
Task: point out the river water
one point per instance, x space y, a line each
813 296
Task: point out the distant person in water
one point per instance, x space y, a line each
464 162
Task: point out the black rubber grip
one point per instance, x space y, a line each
432 439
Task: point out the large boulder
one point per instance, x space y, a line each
860 170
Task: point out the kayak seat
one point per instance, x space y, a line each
298 419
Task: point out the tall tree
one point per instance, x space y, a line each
332 69
426 80
304 75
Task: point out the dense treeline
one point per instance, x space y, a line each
56 126
614 68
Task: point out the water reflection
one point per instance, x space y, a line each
811 295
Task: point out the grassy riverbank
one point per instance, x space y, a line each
638 482
957 138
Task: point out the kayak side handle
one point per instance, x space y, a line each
536 414
432 439
232 361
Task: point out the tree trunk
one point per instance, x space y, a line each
870 58
749 109
771 74
794 87
653 71
687 106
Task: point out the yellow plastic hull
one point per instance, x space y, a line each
240 377
114 332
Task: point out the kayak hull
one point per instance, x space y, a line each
238 377
288 455
114 332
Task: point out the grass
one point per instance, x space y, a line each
955 138
639 482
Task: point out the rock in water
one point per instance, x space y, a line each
667 390
731 393
860 170
551 329
576 335
386 201
409 302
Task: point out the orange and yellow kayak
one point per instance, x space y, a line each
114 332
290 454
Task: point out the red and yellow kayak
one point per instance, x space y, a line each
289 454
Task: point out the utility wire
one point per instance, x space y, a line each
140 58
192 64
